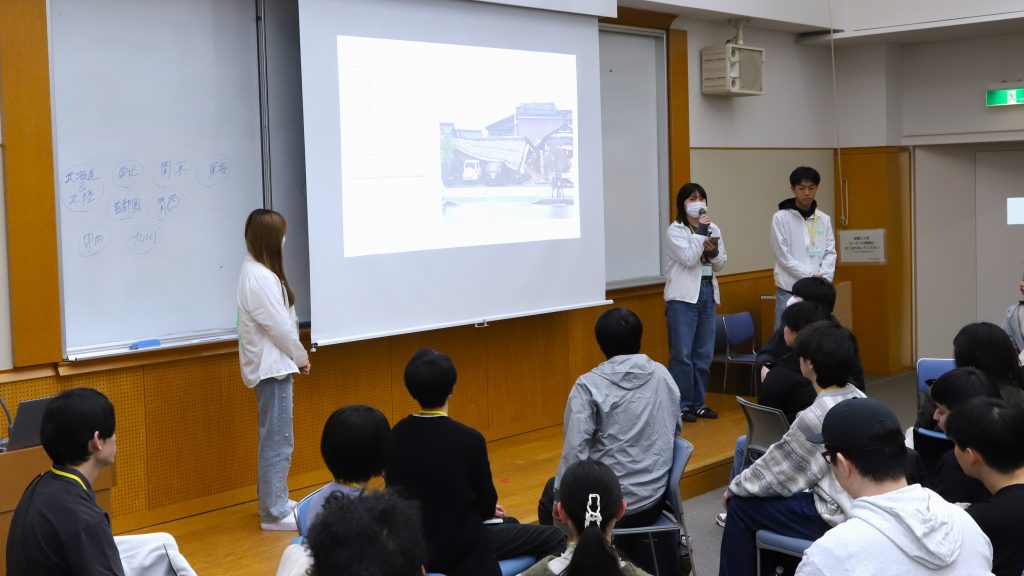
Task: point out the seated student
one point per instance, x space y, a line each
377 534
773 492
892 528
988 434
949 391
1014 323
57 527
984 346
823 293
625 414
785 387
354 445
590 504
443 465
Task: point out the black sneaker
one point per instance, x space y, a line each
688 416
706 412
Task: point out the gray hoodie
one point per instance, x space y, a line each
624 413
908 531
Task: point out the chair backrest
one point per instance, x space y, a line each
739 328
931 368
302 512
765 426
720 338
681 452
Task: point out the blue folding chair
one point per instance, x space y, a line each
930 369
736 329
301 511
778 555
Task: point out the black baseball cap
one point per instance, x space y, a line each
859 424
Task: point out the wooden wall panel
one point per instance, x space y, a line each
29 182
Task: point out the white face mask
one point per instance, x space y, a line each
693 209
793 300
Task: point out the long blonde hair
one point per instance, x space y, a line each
264 235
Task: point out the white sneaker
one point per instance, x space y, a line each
284 524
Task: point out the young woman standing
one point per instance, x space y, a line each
269 352
696 252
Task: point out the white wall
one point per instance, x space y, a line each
813 13
943 90
954 284
870 106
794 112
590 7
864 14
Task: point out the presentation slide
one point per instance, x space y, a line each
447 146
1015 210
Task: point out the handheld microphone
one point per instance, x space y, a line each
701 212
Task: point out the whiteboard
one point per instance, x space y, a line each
634 121
158 162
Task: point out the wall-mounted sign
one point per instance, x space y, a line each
1004 97
862 246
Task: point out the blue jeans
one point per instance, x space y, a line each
738 465
274 402
781 297
691 344
794 516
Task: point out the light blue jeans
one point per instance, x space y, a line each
781 297
274 401
691 344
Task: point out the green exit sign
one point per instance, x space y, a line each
1006 97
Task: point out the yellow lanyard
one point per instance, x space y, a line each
432 413
814 230
72 476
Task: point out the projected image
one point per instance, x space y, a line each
1014 211
447 146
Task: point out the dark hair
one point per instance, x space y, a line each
377 534
594 554
355 443
618 332
993 429
831 349
888 462
988 348
818 290
804 173
685 191
959 385
802 314
69 422
430 377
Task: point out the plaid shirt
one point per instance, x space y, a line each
793 464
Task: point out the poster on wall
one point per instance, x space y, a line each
862 246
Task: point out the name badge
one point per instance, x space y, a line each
705 270
814 250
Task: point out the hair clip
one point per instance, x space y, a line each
593 511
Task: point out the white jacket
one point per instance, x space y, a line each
791 235
907 532
268 332
684 267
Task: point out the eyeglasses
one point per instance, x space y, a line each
829 456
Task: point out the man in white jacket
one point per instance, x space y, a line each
801 239
892 528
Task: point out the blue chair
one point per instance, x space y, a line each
777 554
301 512
672 519
736 329
930 369
513 566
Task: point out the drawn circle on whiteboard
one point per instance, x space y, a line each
126 173
81 188
93 241
172 169
166 204
125 206
145 239
213 170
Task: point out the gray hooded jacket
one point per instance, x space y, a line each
624 413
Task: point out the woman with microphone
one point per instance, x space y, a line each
696 253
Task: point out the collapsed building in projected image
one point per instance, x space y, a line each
533 146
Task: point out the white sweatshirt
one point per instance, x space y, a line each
907 532
791 240
268 331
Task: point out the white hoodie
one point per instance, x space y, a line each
908 531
